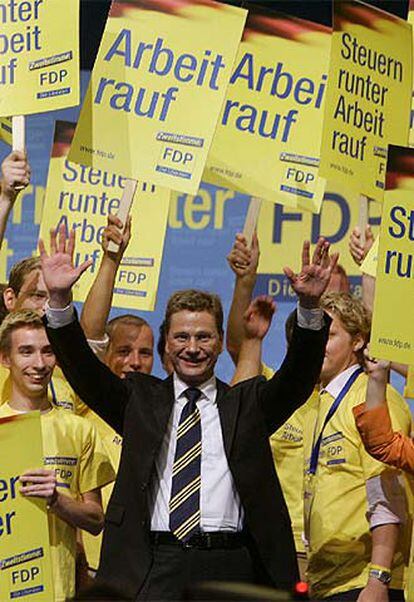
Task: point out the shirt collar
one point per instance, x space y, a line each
337 383
208 388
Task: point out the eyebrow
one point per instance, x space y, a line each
25 347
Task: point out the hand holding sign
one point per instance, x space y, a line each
59 272
118 235
15 172
358 249
40 483
314 277
242 260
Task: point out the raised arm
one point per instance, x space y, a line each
255 322
95 384
374 422
98 303
15 174
243 261
292 385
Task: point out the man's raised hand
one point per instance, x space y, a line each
258 317
59 272
314 277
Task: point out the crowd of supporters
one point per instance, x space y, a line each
183 486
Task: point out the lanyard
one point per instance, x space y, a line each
53 392
335 405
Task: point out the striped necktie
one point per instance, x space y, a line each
186 479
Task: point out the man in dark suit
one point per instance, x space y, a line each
196 497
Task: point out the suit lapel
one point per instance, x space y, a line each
163 406
228 407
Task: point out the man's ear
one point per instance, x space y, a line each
358 343
9 298
5 359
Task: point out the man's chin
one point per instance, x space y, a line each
193 377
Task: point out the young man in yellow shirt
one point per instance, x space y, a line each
75 463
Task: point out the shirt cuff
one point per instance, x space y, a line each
310 318
58 317
386 500
99 346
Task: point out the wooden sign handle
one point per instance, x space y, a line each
252 218
19 137
363 216
124 209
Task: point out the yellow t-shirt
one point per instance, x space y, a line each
73 449
113 445
287 450
337 529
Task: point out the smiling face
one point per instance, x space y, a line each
341 351
193 345
31 362
131 350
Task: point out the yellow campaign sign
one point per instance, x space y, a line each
268 139
25 568
81 197
411 21
369 265
6 130
156 90
368 98
282 230
39 48
392 334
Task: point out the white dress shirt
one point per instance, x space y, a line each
220 505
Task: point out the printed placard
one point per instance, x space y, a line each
25 569
156 90
81 197
268 139
39 50
368 98
392 335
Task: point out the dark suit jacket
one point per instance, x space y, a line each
139 407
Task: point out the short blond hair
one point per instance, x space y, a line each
21 270
197 301
352 313
14 321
